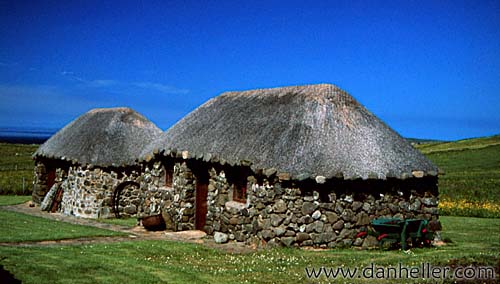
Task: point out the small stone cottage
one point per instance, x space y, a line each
89 167
292 166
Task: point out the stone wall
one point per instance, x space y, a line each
286 213
175 202
304 214
88 192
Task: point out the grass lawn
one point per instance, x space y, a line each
17 227
475 241
128 222
14 199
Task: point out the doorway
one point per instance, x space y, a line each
201 204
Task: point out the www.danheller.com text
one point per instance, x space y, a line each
422 271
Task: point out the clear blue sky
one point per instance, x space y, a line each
430 69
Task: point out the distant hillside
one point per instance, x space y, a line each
472 174
466 144
416 141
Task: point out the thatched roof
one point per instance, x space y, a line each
102 137
302 132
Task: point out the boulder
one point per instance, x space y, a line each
308 208
300 237
338 225
287 241
280 206
221 238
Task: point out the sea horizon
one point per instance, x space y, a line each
25 134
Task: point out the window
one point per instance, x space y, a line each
169 175
240 193
240 187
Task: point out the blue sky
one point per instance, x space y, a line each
429 69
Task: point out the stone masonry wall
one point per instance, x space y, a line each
174 203
88 192
281 214
286 213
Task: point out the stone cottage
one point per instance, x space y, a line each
89 167
292 166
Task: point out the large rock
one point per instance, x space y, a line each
332 217
348 216
130 209
276 220
323 238
280 206
358 242
363 219
356 205
306 219
279 231
287 241
338 225
274 243
300 237
308 208
316 215
370 242
221 238
268 234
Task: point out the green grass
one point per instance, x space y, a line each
127 222
18 227
16 165
475 241
472 174
466 144
14 199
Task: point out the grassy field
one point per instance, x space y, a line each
14 199
471 183
16 168
475 241
127 222
18 227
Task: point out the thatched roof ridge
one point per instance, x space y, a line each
102 137
301 131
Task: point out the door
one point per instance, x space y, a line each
51 177
201 205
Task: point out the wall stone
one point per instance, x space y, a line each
287 213
88 192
